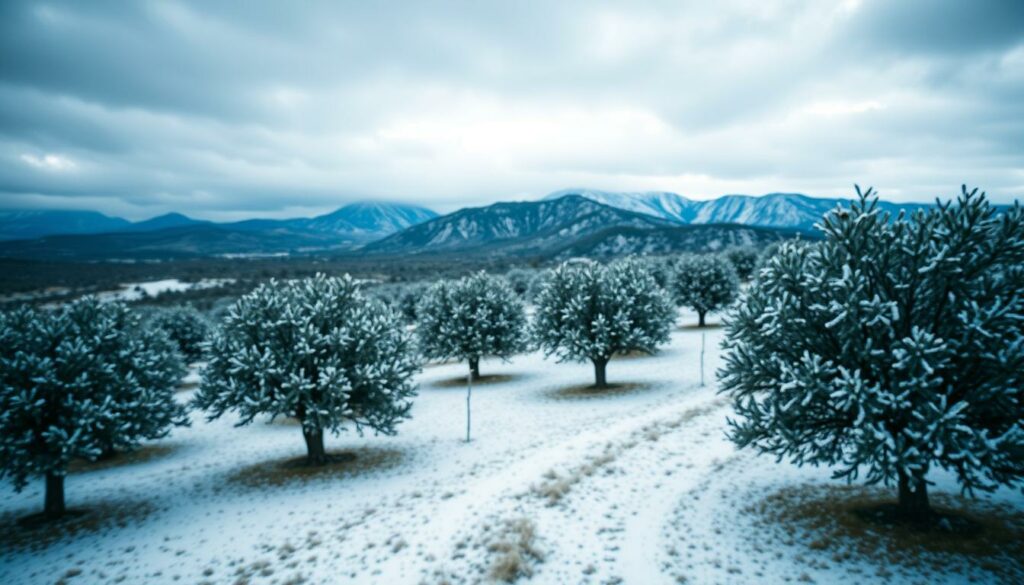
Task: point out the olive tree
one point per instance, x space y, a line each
744 260
79 383
587 311
893 347
473 317
704 283
315 350
186 326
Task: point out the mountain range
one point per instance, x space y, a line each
567 226
356 222
777 210
574 222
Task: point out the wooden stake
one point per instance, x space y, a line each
702 333
469 395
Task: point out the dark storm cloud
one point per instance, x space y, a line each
234 108
945 27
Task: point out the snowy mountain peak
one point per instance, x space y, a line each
777 210
370 217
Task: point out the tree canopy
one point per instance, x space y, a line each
893 347
587 311
316 350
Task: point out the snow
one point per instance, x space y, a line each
655 491
134 291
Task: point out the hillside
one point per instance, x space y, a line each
513 228
776 210
626 241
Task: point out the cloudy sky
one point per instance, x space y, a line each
229 110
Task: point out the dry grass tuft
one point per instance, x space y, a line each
294 469
515 550
851 522
557 485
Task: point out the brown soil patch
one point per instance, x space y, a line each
187 386
857 522
484 380
584 392
284 421
140 455
434 364
294 469
696 327
639 355
34 532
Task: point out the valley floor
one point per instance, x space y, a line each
560 484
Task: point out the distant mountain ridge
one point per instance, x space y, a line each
777 210
355 222
161 222
25 224
565 227
513 228
564 224
182 242
694 238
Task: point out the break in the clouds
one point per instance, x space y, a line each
223 110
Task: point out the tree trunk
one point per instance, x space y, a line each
315 454
700 318
600 379
54 506
108 453
913 494
474 367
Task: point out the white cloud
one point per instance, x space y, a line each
220 111
840 108
49 162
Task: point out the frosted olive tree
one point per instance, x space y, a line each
408 301
187 327
704 283
474 317
315 350
521 281
587 311
80 383
744 260
662 268
892 347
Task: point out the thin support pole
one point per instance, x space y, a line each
469 396
702 334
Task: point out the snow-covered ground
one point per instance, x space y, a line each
134 291
632 485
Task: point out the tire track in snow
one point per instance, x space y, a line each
502 494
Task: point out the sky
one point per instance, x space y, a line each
228 110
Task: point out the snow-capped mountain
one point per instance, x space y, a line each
176 236
777 210
372 218
514 228
785 210
657 203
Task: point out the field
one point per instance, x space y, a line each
560 484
